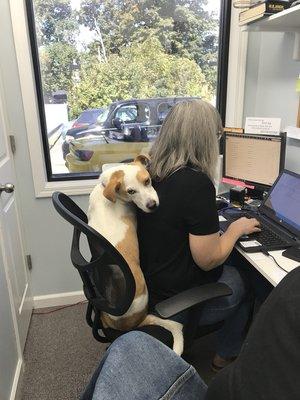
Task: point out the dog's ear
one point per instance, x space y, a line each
113 186
142 159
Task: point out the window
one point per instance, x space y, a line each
163 109
107 73
127 113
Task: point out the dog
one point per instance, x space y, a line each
112 213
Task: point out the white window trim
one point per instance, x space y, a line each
237 64
43 188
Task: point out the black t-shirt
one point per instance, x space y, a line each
268 367
187 205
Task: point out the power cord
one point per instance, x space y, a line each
58 308
266 253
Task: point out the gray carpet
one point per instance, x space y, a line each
61 354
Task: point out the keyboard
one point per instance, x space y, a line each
267 237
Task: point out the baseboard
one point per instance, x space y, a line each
16 380
58 299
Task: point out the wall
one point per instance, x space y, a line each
271 82
47 237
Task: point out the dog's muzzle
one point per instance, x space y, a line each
151 205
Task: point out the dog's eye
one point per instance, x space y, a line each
131 191
147 182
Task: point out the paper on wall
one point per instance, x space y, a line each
264 126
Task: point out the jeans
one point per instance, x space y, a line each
234 310
138 367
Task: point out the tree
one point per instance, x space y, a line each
55 22
140 71
57 66
183 28
57 29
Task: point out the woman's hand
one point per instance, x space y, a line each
209 251
245 226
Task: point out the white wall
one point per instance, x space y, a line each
270 89
47 237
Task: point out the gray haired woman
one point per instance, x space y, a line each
180 244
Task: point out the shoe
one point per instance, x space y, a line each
219 363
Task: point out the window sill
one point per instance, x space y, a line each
68 187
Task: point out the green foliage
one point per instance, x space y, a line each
140 71
57 67
182 27
56 32
55 21
140 49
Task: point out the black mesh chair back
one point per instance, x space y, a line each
108 283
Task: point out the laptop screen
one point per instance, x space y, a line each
283 201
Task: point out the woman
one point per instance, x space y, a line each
180 245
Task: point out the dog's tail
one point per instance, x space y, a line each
174 327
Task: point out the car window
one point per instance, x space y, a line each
102 117
127 113
163 110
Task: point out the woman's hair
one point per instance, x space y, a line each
188 136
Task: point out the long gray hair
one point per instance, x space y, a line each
188 136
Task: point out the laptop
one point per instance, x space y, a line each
279 216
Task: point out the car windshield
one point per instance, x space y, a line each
89 116
102 117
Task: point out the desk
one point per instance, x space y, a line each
266 265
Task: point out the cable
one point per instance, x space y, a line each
266 253
59 308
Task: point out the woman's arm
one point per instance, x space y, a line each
210 251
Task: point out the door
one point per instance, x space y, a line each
13 255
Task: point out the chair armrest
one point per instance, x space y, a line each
191 297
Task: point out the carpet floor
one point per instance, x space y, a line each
61 355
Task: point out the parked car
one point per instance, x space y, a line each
86 120
125 129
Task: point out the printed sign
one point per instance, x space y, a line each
264 126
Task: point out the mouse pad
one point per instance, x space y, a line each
293 253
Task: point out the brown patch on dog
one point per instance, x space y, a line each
142 159
129 249
113 185
143 176
124 324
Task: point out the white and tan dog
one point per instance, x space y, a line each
112 214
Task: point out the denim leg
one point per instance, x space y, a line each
139 367
234 310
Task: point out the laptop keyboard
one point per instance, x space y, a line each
266 237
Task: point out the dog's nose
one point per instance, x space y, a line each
151 205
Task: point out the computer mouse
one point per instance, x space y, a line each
221 203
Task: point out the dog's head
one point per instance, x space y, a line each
130 183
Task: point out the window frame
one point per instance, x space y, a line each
30 79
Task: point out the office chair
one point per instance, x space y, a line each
107 268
